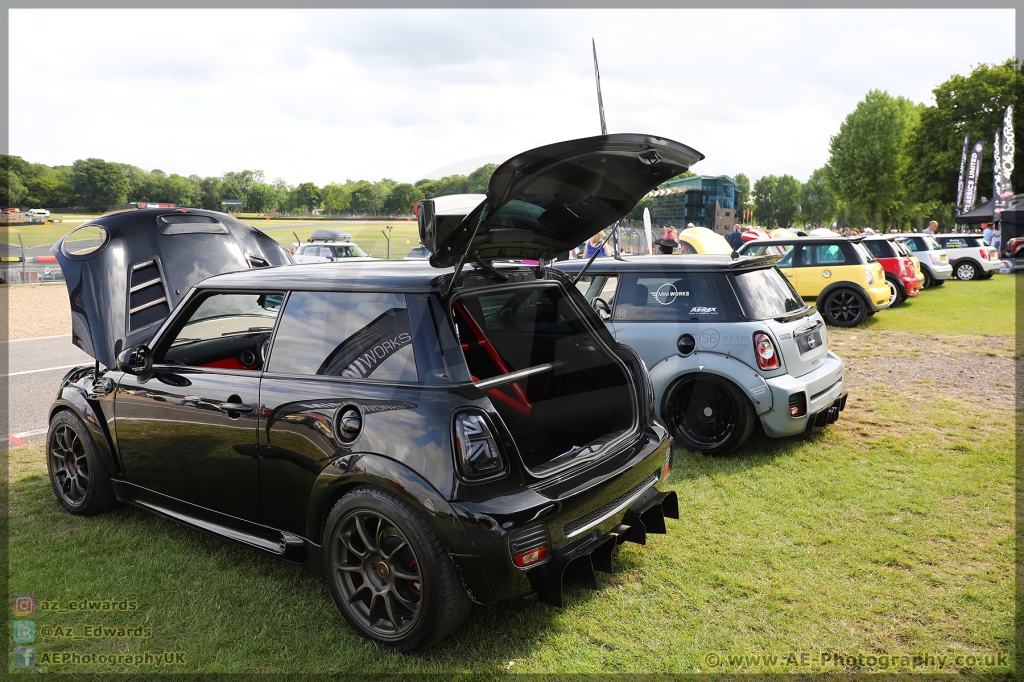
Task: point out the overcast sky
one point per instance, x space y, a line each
325 95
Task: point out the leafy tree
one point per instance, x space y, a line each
336 198
12 190
638 211
99 184
476 182
209 192
401 198
973 105
866 154
306 196
743 202
49 191
775 200
818 204
450 184
369 197
262 197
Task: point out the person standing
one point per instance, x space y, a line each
735 238
932 228
987 232
594 246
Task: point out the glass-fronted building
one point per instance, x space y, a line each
704 200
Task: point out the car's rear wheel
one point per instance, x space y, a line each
709 414
928 279
77 472
844 308
390 575
897 294
967 271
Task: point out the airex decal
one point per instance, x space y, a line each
703 310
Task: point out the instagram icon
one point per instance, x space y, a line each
24 605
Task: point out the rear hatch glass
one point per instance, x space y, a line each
766 294
580 400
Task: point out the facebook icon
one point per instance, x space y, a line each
24 657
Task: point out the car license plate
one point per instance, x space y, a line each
808 341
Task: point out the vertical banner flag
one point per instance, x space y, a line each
996 178
1003 188
973 171
960 182
647 229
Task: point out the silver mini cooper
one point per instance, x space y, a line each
727 341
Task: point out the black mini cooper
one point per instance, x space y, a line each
425 435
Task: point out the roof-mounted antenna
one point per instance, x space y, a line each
597 77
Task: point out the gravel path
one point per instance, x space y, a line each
35 310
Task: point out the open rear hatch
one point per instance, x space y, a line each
135 267
547 200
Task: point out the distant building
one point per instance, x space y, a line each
704 200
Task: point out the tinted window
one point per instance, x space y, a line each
670 297
916 244
959 242
350 335
767 293
225 331
879 248
816 255
598 286
864 253
784 250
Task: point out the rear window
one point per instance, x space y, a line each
879 248
343 334
767 293
863 251
671 297
960 242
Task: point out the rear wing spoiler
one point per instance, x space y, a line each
753 261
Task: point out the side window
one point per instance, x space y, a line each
599 286
342 334
670 297
877 247
916 244
227 331
824 255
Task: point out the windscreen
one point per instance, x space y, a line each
767 293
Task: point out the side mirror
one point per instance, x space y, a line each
137 360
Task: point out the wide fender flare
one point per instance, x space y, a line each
74 399
353 470
753 385
845 284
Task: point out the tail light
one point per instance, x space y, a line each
984 254
767 357
476 451
529 546
798 405
870 275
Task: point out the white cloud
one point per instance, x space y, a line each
326 95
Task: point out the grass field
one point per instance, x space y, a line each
891 533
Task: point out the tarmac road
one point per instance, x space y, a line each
34 370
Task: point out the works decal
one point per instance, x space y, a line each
358 356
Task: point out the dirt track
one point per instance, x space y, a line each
29 310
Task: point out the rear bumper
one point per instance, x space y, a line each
828 415
912 285
878 296
821 387
942 271
583 519
991 265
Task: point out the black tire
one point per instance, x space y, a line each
77 472
967 270
399 589
844 308
928 279
897 292
708 414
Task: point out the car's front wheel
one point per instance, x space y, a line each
897 294
78 475
967 271
709 414
390 575
844 308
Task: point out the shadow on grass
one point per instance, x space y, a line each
158 557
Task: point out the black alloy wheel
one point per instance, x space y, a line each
77 473
966 271
390 576
844 308
708 414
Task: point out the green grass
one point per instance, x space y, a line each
984 307
889 533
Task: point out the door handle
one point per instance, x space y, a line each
236 407
788 274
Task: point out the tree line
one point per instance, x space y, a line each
895 164
98 185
